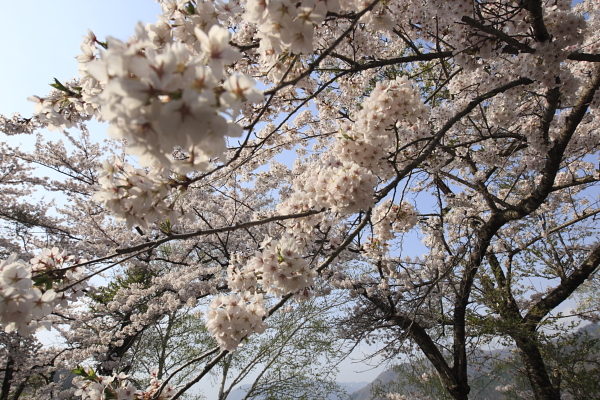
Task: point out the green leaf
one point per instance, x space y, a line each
190 9
92 375
166 226
43 280
59 86
80 371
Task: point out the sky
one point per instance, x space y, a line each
40 39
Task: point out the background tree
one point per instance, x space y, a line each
295 358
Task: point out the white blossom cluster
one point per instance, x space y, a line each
16 124
137 196
300 228
161 100
281 267
61 109
393 115
69 105
241 280
396 396
68 282
28 291
234 317
343 187
285 26
180 18
504 388
390 218
20 302
393 109
117 386
504 101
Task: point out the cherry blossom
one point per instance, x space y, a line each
235 317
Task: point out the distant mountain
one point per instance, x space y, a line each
363 390
383 378
487 391
487 384
592 329
349 387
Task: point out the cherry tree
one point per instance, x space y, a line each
270 151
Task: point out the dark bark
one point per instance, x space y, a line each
512 323
523 329
456 378
8 375
514 46
537 373
458 389
536 19
20 389
12 347
117 352
531 357
457 385
565 289
498 219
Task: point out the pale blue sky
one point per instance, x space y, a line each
40 39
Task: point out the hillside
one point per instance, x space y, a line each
484 388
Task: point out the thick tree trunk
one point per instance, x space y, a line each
542 386
8 374
456 384
459 392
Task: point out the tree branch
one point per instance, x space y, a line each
564 290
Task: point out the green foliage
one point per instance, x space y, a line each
415 378
85 373
169 344
295 357
141 277
571 358
574 360
59 86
